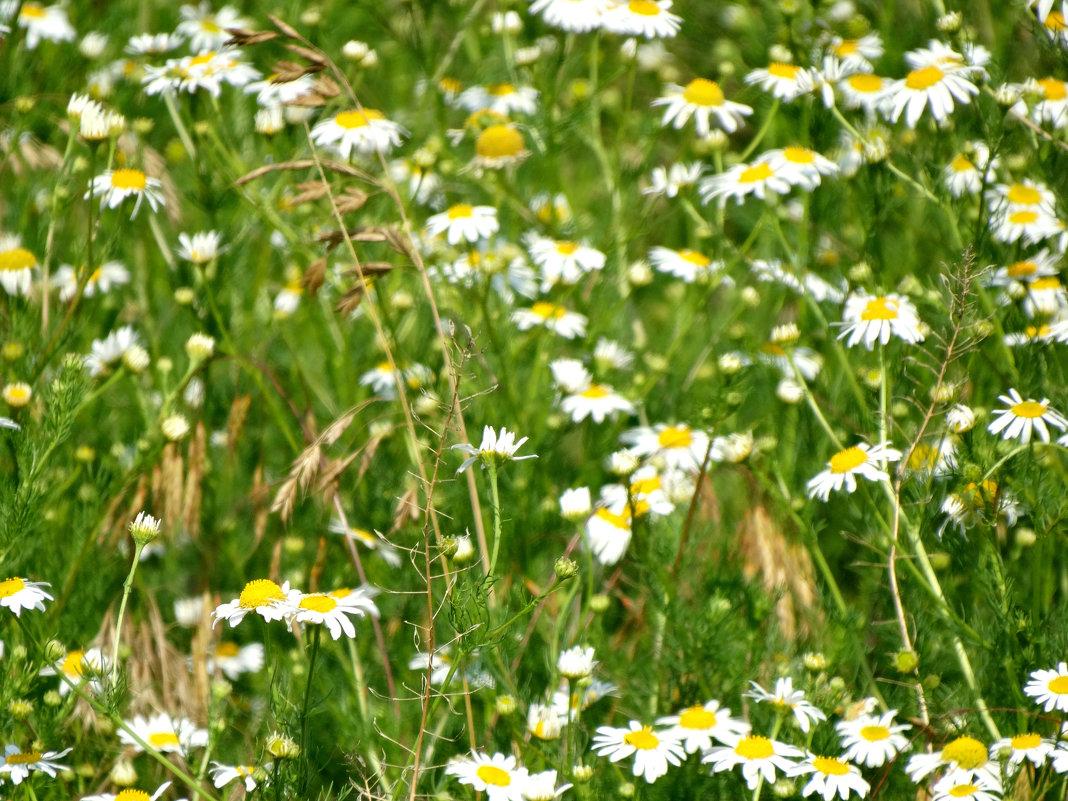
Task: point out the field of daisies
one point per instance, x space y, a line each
521 399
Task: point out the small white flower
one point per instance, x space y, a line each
575 504
703 100
1049 688
333 609
497 776
831 776
234 660
870 319
114 186
362 131
464 223
653 751
957 787
261 596
222 775
648 18
493 449
1024 417
17 765
698 725
163 733
576 662
785 696
872 740
200 248
860 460
558 319
759 757
17 594
597 402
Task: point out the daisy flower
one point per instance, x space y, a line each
233 659
696 726
576 662
1053 108
163 733
857 55
669 181
575 16
1045 296
1043 8
114 186
648 18
1024 417
575 504
261 596
544 722
43 22
652 751
872 740
363 131
1039 265
677 444
17 594
703 100
865 91
542 786
800 166
1049 688
786 697
494 449
555 318
689 265
563 701
563 262
831 776
871 319
500 98
758 756
333 609
1023 195
273 92
200 248
205 28
1027 746
79 667
643 495
785 81
967 759
954 787
128 795
845 466
932 86
16 266
597 402
499 146
151 44
464 223
807 362
111 349
758 178
107 275
222 775
608 533
497 776
967 172
372 541
1010 226
17 765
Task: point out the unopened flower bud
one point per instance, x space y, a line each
281 747
566 568
123 773
144 528
906 661
135 359
506 705
175 427
200 347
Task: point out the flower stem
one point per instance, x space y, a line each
127 586
316 632
491 469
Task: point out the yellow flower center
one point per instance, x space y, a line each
343 592
703 92
963 790
1029 409
1023 217
961 164
1049 282
830 766
967 752
260 592
499 141
1054 89
159 739
128 179
643 740
16 259
849 459
358 119
23 759
133 795
318 603
772 349
645 486
919 80
865 82
1035 331
619 521
1058 685
32 10
847 48
1021 742
227 650
210 25
1021 269
697 717
72 664
566 248
644 7
874 734
450 85
758 172
500 89
799 155
461 210
923 456
880 309
491 774
596 391
1055 21
981 494
17 394
692 256
754 747
780 70
9 587
675 437
547 310
1024 195
244 770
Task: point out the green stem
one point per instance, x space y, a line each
127 586
316 632
491 469
756 141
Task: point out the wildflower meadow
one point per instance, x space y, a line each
522 399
